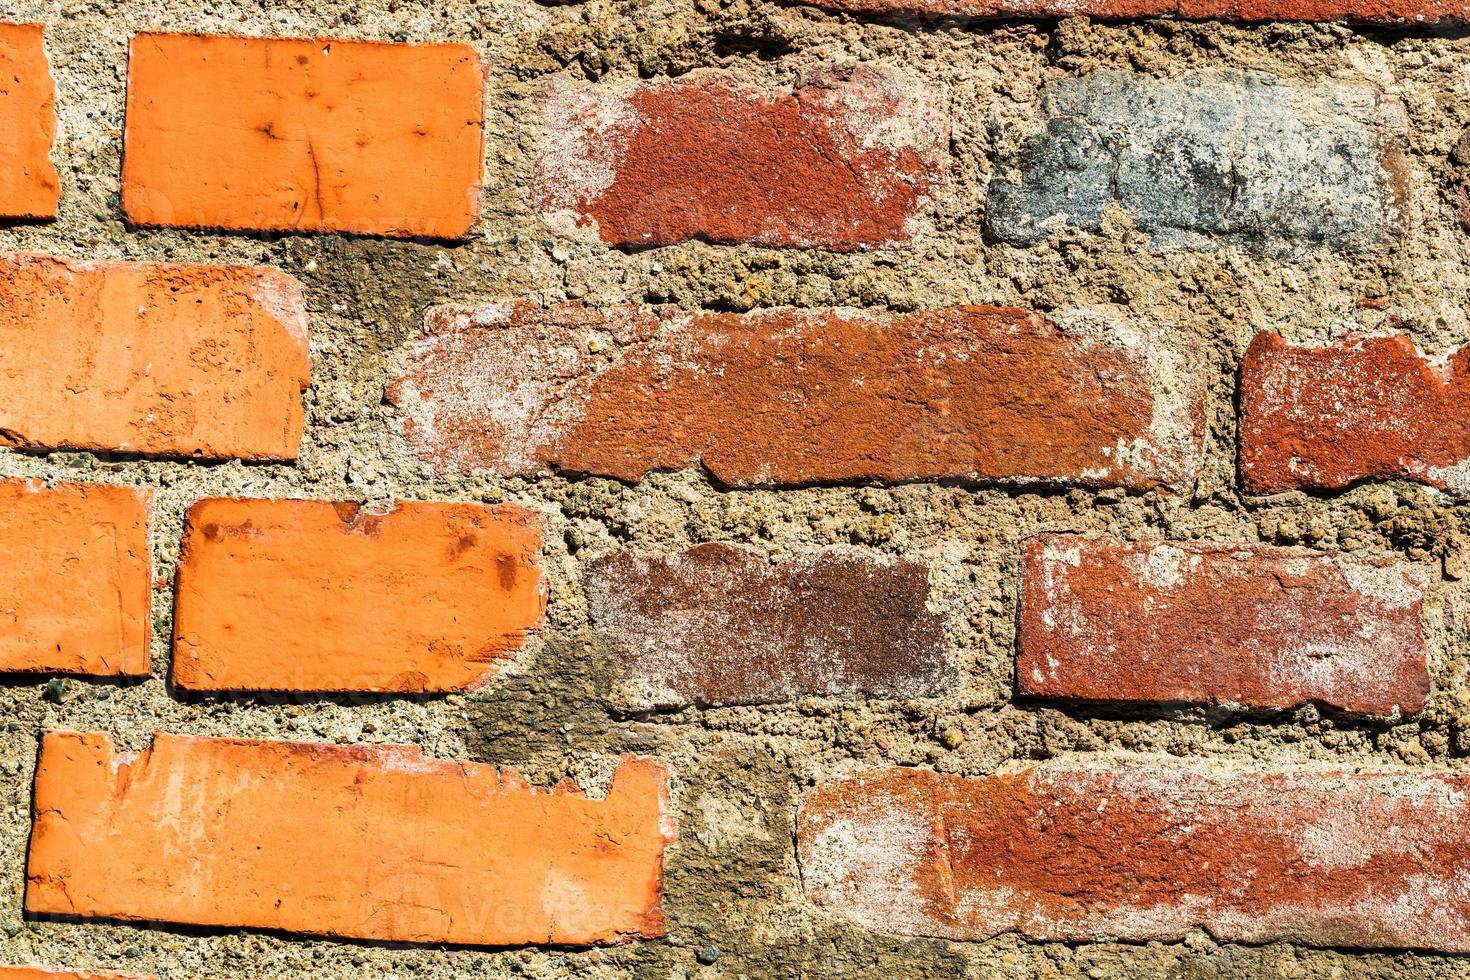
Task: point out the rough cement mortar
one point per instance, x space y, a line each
732 882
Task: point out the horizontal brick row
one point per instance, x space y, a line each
328 135
272 595
369 842
52 973
1145 851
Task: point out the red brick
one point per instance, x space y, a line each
299 134
370 842
317 595
841 163
1265 627
789 397
1352 11
721 624
54 973
1364 408
29 187
151 358
77 578
1146 852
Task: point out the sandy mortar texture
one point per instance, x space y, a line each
732 880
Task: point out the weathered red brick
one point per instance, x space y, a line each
788 397
76 580
303 134
151 358
317 595
1364 408
29 187
53 973
721 624
1146 852
372 842
1109 620
838 162
1352 11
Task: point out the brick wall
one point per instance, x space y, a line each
711 488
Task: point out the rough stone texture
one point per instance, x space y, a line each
731 883
721 624
1352 11
790 397
29 187
1363 408
155 358
1108 620
269 134
376 842
1206 159
1144 853
315 595
836 162
76 580
52 973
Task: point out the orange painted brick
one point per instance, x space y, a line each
294 134
316 595
371 842
52 973
29 187
75 584
151 358
1144 851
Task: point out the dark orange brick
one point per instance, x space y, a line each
1364 408
29 187
317 595
151 358
53 973
838 162
1144 852
76 582
371 842
298 134
1265 627
789 397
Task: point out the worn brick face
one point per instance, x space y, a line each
1145 853
316 595
29 187
1109 620
1207 159
1352 11
722 624
838 162
1363 408
76 578
369 842
151 358
789 397
296 134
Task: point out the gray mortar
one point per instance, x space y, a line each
731 880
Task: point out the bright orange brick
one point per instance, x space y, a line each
315 595
158 359
296 134
76 578
29 187
374 842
